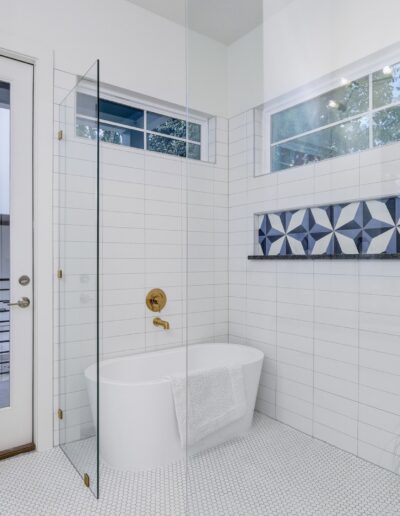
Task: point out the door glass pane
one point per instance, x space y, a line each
78 283
4 244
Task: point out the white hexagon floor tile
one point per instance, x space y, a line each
274 470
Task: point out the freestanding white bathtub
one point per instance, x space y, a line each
137 414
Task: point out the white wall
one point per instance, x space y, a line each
164 224
246 72
145 53
138 50
308 39
207 80
303 42
330 329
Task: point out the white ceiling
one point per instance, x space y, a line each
223 20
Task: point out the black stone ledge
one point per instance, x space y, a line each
328 257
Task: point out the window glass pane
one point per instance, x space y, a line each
126 115
166 145
194 132
331 107
110 134
194 151
86 105
110 111
166 125
386 126
121 114
386 86
4 95
328 143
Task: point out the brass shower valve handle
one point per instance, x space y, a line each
155 304
156 299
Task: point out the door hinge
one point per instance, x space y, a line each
60 135
86 480
60 414
59 274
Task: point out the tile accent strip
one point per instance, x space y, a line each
355 229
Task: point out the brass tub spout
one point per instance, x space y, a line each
160 323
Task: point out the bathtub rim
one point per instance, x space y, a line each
91 371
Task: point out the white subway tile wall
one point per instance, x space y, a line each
164 223
330 330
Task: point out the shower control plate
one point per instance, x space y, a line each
156 299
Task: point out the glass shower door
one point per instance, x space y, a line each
78 277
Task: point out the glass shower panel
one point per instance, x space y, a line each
78 279
219 238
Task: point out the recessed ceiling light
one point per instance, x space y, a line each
344 81
387 70
333 104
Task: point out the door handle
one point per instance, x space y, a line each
24 302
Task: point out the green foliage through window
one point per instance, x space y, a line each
126 125
338 122
334 106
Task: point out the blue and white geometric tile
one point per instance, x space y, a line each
285 233
320 238
297 227
356 228
381 231
272 233
347 222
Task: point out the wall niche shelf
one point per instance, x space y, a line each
327 257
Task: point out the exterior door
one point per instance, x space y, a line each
16 303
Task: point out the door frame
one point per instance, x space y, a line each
20 48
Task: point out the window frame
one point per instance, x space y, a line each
157 107
365 67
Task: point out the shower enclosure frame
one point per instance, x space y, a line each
77 442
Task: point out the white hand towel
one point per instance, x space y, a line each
208 400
